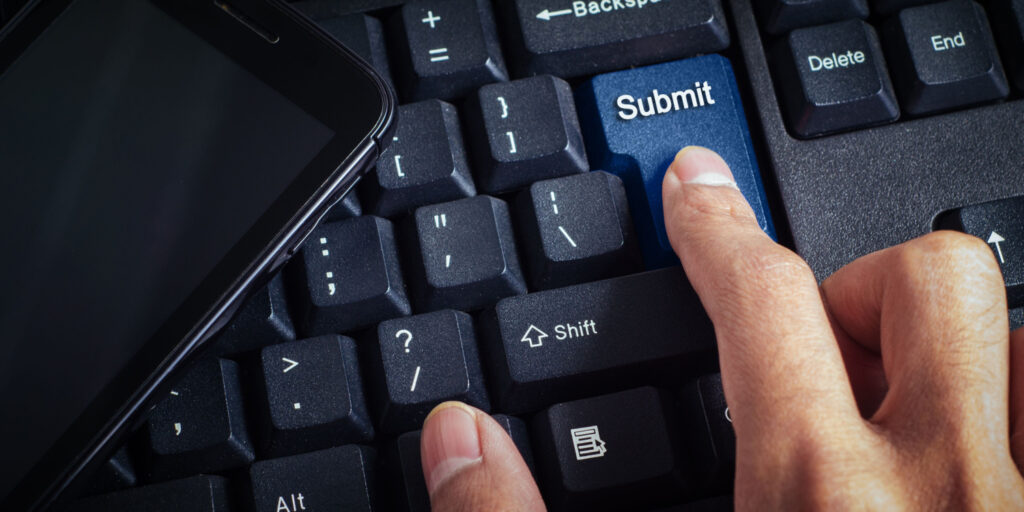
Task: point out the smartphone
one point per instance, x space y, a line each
159 159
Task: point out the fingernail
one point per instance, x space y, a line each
450 443
700 166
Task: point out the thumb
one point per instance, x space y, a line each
470 463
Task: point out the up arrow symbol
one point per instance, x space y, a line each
994 238
531 332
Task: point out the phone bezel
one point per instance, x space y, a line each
311 69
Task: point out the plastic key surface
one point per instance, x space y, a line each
596 337
577 229
425 163
333 479
611 452
200 426
349 276
117 473
525 130
314 396
943 56
710 439
423 360
200 493
1001 224
627 115
263 320
781 16
578 38
446 48
362 34
833 78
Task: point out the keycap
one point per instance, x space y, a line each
833 78
889 7
577 229
445 48
334 479
710 440
362 34
614 451
314 396
117 472
1001 224
597 337
781 16
523 131
323 9
349 277
348 207
943 57
627 115
464 255
425 163
263 320
202 493
200 426
579 38
409 491
423 360
1008 23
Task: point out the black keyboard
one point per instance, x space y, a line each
508 249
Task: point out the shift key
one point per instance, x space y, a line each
598 337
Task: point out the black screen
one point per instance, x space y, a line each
133 156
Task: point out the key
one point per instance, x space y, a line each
1008 23
1000 224
200 426
117 473
446 48
465 256
710 439
202 493
362 34
333 479
347 208
889 7
410 493
626 115
943 57
323 9
580 38
613 452
424 360
525 131
781 16
832 78
262 321
425 164
568 343
577 229
717 504
314 395
351 276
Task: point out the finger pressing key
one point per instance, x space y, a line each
782 371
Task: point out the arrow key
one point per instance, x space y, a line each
998 223
313 396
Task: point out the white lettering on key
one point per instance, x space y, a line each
512 142
296 502
943 43
567 237
581 329
534 336
842 60
438 54
581 8
398 166
587 443
504 107
415 379
658 103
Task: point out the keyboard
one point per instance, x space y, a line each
508 249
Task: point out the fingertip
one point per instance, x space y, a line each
450 443
698 165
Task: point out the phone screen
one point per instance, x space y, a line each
133 156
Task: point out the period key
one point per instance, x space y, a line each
1001 224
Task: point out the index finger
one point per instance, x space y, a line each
782 370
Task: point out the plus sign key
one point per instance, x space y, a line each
446 48
634 122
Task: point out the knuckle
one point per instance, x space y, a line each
956 261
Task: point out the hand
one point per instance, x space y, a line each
887 387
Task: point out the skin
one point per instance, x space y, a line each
894 384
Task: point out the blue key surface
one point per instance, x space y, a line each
635 121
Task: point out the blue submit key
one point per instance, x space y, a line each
635 121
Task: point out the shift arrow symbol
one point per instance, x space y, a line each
531 332
994 238
546 15
291 364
